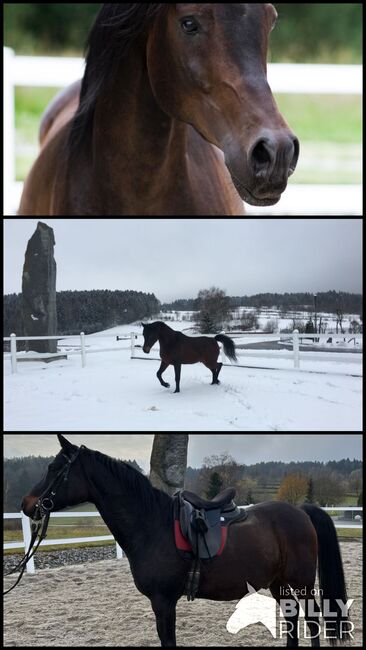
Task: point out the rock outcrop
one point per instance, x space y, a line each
39 315
169 461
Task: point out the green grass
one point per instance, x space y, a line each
324 118
65 528
347 533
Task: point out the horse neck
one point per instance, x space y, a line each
133 138
127 516
166 334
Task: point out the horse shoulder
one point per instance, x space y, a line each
39 187
60 111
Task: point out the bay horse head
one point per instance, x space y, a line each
207 67
151 335
62 486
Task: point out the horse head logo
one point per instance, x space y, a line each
253 608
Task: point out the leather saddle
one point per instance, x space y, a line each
201 528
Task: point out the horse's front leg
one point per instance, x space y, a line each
165 613
163 367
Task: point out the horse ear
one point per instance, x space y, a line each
65 444
143 325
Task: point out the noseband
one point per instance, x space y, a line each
41 516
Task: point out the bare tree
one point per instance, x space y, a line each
213 310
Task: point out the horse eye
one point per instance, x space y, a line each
189 26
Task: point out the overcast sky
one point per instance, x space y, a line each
245 448
175 258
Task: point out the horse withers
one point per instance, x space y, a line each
176 349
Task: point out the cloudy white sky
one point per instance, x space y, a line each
176 258
245 448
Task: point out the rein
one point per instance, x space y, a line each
41 517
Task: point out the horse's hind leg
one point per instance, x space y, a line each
281 591
218 370
312 617
215 374
177 368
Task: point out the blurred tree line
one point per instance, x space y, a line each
306 32
21 474
87 311
295 482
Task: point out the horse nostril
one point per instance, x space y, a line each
275 156
262 158
295 157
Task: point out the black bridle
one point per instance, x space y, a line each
41 516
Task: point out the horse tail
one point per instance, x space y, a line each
331 577
229 346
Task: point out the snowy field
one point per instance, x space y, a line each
116 393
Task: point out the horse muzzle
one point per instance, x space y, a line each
146 349
260 175
30 506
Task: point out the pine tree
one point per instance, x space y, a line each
310 492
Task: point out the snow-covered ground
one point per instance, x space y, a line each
116 393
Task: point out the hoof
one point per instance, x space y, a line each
177 391
166 385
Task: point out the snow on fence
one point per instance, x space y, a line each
27 533
59 72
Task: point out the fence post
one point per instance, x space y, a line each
13 352
83 355
120 555
9 132
132 345
296 349
27 536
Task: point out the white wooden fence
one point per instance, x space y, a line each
26 526
59 72
293 339
27 534
83 351
295 355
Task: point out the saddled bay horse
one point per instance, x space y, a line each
176 349
174 116
276 547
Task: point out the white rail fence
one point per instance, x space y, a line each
16 356
293 340
295 355
59 72
27 533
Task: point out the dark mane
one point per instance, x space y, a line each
133 481
115 29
